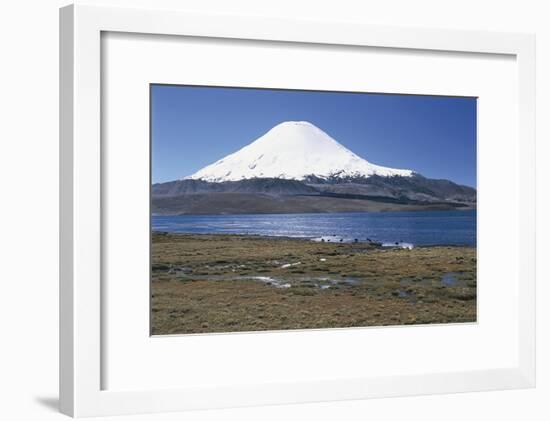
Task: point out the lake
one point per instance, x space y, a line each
419 228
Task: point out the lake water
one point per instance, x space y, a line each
416 228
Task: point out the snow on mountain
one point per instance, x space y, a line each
292 150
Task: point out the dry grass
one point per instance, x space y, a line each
205 283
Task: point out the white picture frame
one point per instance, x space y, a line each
81 319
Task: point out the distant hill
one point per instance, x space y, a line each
291 196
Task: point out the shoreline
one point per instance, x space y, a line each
312 239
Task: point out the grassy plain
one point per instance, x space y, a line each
227 283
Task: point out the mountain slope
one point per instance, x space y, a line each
295 168
274 195
416 187
258 203
293 150
271 186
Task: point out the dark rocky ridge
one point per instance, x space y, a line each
254 185
273 195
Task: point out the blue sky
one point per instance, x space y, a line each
195 126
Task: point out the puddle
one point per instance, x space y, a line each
268 280
450 279
288 265
314 282
182 271
349 281
332 281
408 295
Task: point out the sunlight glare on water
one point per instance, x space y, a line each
415 228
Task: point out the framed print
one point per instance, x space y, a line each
337 240
259 211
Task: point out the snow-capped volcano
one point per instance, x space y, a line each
293 150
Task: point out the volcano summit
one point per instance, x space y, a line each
293 150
